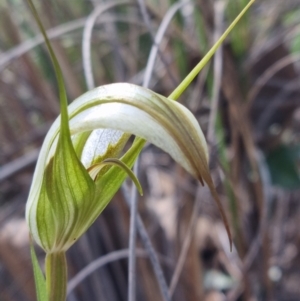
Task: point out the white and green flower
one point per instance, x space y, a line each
80 167
70 186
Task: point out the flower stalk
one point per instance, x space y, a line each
56 276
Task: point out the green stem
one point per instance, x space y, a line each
56 276
186 82
189 78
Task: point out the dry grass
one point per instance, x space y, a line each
247 102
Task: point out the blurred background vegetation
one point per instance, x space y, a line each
247 101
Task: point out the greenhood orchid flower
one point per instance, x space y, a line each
64 200
79 168
72 183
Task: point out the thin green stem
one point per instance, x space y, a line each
189 78
56 276
186 82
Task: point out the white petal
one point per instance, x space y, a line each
98 143
132 120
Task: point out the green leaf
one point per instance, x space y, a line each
40 283
282 163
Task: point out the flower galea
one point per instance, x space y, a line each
73 182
